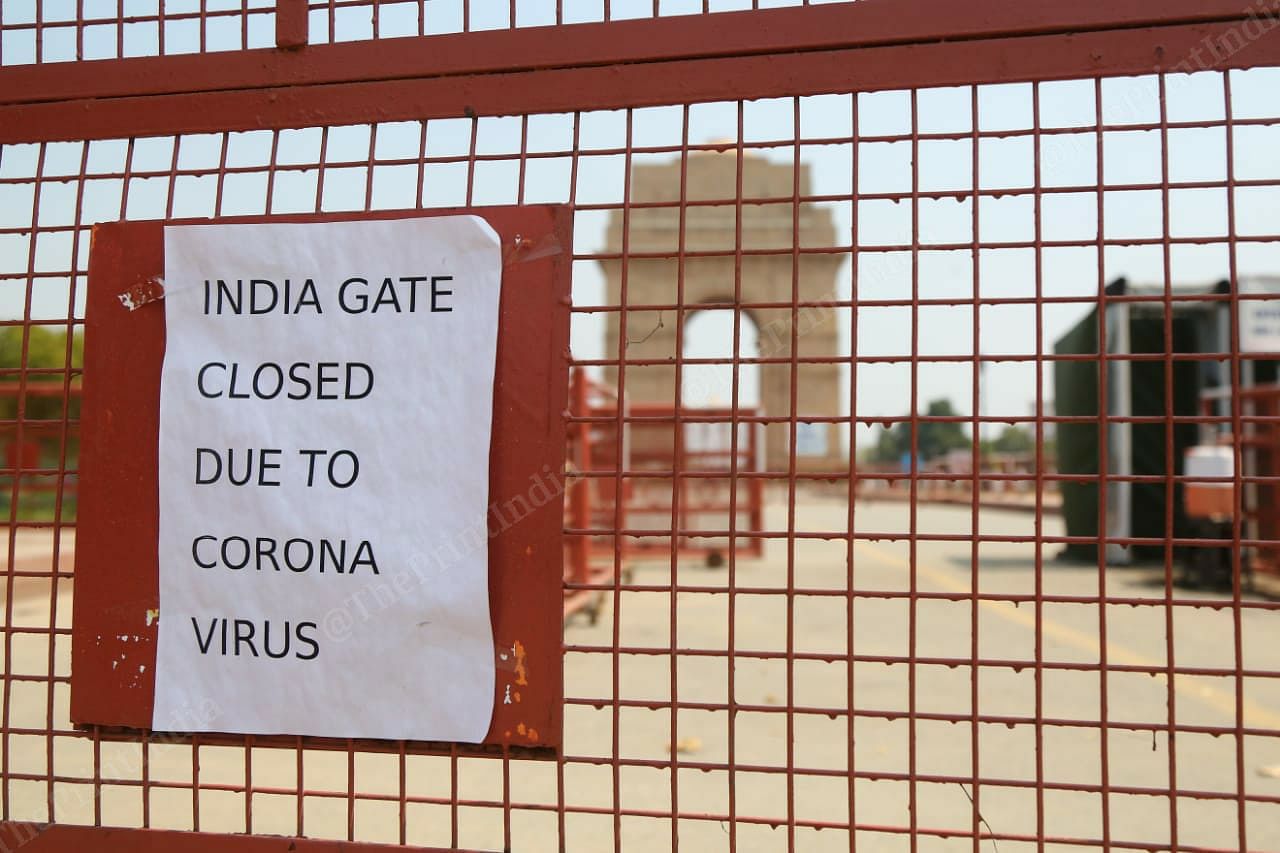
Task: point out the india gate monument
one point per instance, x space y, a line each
766 284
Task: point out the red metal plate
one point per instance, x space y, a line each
117 578
45 838
511 76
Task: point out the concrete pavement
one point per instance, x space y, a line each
815 739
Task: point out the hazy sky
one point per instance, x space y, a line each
1070 160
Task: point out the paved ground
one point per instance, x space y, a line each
1071 749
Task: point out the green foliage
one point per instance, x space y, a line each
933 439
46 349
1013 439
42 419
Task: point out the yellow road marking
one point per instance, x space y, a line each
1195 687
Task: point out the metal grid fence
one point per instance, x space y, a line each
888 674
39 31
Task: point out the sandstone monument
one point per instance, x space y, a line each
770 270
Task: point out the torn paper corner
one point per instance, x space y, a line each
144 292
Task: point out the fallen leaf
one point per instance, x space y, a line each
687 744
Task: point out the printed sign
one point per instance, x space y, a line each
326 406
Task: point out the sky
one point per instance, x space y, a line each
1130 157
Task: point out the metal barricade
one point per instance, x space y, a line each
907 200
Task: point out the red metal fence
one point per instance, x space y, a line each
704 450
1259 449
891 674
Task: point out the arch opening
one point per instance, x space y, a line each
708 334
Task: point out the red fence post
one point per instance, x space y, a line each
291 24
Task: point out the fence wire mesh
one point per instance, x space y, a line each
36 31
935 647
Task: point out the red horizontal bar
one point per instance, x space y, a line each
45 838
655 763
967 538
1262 604
251 89
685 816
731 34
899 660
746 146
86 16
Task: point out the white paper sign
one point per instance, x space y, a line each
325 412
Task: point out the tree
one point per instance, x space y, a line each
1013 439
46 349
933 438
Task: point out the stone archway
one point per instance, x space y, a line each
766 280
